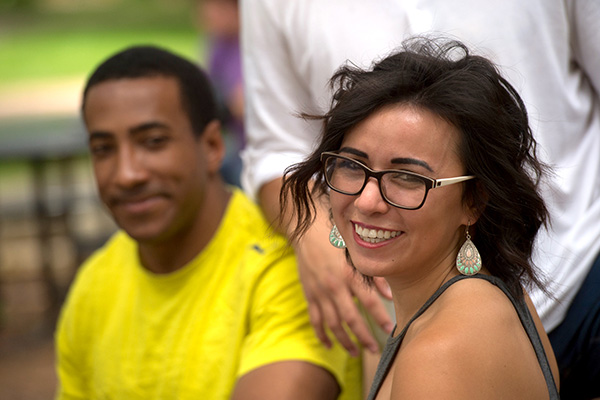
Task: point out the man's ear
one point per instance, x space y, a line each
214 146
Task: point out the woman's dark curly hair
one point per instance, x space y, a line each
496 144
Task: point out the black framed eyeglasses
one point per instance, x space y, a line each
402 189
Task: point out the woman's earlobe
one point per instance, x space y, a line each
476 202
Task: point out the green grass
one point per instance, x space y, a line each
61 55
40 45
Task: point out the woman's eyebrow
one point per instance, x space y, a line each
354 151
397 160
412 161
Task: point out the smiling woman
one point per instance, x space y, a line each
434 116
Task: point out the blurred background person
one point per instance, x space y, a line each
219 20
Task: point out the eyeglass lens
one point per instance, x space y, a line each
400 188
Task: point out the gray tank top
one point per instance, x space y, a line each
393 343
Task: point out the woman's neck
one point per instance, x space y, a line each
410 295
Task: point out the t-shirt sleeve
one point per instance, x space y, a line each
280 328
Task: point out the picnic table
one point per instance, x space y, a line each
40 142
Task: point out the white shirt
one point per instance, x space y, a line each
548 49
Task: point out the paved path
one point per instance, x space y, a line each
54 97
26 350
27 371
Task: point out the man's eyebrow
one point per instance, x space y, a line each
398 160
98 135
148 126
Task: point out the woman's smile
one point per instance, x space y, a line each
374 235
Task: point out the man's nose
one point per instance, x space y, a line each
130 171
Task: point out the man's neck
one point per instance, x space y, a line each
181 248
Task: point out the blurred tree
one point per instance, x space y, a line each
18 4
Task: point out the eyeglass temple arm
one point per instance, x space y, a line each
450 181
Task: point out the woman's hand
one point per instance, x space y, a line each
329 283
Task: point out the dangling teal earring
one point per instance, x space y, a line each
336 239
468 260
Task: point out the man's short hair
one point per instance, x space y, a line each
196 91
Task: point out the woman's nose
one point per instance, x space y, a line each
370 199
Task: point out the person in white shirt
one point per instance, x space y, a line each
548 49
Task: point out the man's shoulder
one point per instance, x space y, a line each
248 224
247 237
98 278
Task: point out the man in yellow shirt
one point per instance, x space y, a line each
194 298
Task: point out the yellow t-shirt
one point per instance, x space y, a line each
126 333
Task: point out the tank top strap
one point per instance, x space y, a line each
529 325
393 343
430 301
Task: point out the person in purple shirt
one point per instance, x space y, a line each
220 20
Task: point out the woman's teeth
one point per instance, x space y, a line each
374 235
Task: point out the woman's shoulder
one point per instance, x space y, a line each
478 302
471 316
468 305
472 341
